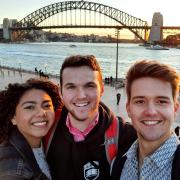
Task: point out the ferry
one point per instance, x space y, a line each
157 47
72 45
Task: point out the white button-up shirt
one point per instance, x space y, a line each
156 166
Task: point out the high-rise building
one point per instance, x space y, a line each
156 32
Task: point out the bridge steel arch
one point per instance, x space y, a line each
121 17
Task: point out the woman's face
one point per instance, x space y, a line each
34 115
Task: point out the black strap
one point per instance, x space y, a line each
117 167
127 135
175 173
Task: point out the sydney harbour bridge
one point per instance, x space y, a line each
79 14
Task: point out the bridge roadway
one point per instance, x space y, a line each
89 26
78 26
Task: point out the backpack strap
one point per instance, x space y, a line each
117 166
175 175
111 140
48 138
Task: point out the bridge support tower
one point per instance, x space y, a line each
156 31
7 23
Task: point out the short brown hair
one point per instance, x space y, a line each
80 60
152 69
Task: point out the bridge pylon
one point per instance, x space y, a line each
156 34
7 33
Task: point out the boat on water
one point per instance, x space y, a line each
72 45
157 47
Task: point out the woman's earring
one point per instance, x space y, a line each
13 121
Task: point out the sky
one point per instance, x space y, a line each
143 9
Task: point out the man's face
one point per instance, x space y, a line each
81 92
152 109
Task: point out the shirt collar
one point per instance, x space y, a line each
165 152
161 156
77 134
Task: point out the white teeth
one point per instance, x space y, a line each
150 122
42 123
81 104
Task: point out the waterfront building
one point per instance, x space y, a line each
173 40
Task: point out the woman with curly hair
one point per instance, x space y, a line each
27 112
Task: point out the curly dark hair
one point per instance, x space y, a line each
10 97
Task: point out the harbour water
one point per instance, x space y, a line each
49 56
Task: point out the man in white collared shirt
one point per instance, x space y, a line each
152 105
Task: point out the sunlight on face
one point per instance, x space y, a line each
81 92
34 115
152 108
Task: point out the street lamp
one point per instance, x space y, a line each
117 33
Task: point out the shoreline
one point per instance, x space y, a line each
20 70
107 81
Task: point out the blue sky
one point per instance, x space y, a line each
143 9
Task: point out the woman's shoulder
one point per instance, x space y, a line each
12 164
7 151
